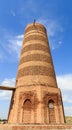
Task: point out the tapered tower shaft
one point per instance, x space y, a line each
36 65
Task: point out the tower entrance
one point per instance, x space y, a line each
51 111
27 108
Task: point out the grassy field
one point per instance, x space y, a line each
68 119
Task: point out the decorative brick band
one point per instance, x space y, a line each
36 70
39 84
35 42
34 63
36 127
35 52
36 57
38 28
35 47
36 80
35 37
35 33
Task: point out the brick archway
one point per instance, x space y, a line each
27 108
51 111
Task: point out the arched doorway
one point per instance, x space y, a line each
51 111
27 108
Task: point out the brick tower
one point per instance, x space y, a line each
37 99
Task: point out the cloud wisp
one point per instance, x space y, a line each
65 81
6 95
14 44
53 30
10 45
65 84
8 82
68 110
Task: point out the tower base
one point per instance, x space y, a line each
36 105
35 127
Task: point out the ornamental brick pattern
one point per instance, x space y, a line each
35 47
35 70
36 57
36 127
37 99
35 37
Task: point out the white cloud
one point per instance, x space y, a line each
15 44
10 45
20 36
8 82
68 110
67 97
65 81
65 84
6 95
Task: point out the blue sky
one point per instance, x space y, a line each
56 16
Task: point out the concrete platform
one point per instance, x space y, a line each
35 127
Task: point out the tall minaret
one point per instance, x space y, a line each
37 98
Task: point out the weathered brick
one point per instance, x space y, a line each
37 99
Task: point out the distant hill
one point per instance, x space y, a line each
68 119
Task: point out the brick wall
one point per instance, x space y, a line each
35 127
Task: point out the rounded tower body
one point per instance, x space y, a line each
36 67
37 99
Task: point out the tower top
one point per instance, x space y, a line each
36 24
